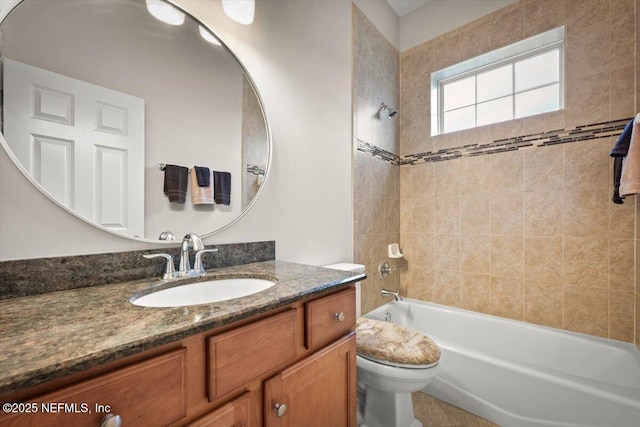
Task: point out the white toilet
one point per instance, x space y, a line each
386 377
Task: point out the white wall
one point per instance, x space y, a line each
304 77
383 17
440 16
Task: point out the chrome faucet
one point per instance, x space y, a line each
184 267
395 295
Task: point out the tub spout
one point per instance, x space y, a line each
395 295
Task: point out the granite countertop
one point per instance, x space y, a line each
48 336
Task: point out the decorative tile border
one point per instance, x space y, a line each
560 136
372 150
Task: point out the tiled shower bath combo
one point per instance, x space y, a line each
513 219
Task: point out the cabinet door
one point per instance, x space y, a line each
232 414
319 391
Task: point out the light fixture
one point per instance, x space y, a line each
205 34
165 12
239 10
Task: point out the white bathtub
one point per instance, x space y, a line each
521 375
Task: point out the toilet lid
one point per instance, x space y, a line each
391 344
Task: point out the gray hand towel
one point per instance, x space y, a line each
619 151
176 179
621 147
204 176
222 188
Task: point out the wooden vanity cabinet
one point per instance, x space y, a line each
233 414
301 355
318 391
151 392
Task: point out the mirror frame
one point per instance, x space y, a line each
3 15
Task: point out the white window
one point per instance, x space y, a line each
523 79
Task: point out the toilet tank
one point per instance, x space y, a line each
353 268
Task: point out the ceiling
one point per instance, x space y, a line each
403 7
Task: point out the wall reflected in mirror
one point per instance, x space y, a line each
103 92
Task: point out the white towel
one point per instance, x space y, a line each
630 179
200 195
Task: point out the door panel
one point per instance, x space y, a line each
83 143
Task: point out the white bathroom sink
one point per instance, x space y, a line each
203 292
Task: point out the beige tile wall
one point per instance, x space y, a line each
254 145
530 235
637 92
377 182
505 236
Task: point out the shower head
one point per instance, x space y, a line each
392 112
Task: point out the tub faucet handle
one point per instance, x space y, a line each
384 269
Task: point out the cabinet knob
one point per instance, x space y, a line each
280 409
339 316
111 420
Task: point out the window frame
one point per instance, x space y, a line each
540 44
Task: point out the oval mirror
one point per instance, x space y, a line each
100 95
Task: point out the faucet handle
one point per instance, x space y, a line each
198 267
169 271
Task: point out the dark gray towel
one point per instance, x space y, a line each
204 176
617 174
176 179
621 147
222 188
620 150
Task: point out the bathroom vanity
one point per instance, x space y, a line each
281 357
86 355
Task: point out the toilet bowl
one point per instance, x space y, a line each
386 391
392 363
393 378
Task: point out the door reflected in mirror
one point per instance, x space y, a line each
104 92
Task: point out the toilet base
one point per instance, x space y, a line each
382 409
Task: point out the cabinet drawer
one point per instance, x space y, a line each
243 354
329 318
232 414
149 393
